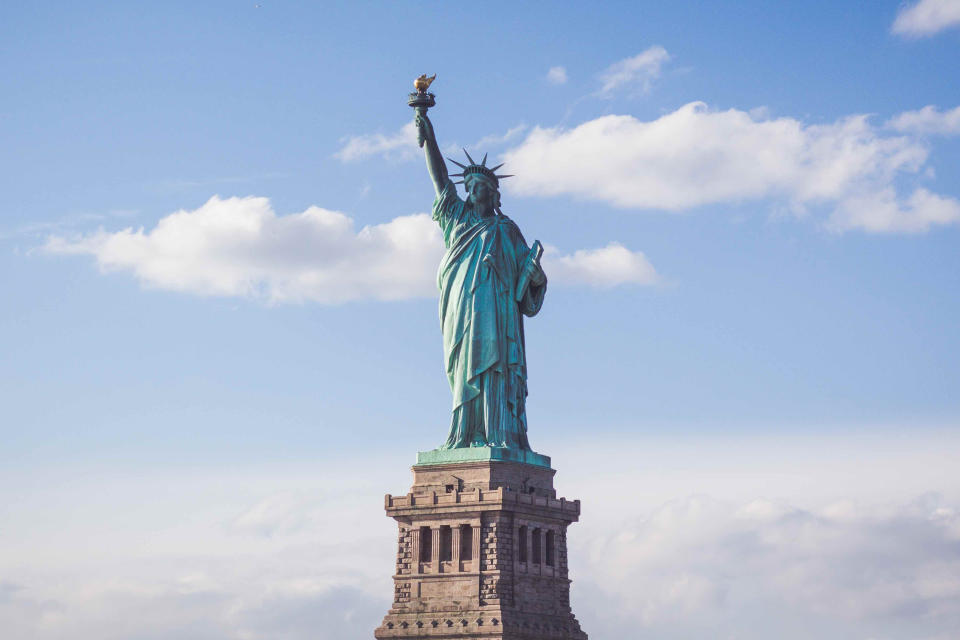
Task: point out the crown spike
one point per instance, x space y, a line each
483 162
498 166
468 156
509 175
457 163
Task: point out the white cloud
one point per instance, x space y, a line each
696 156
557 75
636 73
881 211
239 247
927 17
605 267
401 145
927 121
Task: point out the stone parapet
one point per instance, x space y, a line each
491 499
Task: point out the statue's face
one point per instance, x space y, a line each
483 194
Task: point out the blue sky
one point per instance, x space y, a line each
218 274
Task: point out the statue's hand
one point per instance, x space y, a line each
531 272
537 276
534 274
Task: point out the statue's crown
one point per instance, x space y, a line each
474 169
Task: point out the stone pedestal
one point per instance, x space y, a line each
482 554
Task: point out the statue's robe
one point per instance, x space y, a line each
482 324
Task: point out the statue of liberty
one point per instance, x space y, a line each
488 279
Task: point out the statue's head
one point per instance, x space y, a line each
483 193
481 182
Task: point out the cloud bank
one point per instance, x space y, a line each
285 555
844 570
693 567
239 247
696 156
926 18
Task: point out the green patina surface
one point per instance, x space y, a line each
489 280
482 454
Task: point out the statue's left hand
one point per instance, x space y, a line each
538 277
532 272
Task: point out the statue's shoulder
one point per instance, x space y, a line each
508 222
448 203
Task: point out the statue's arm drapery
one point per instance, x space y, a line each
447 208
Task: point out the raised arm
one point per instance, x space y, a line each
435 164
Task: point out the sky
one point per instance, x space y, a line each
219 343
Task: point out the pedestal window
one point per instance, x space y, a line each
446 544
466 542
426 544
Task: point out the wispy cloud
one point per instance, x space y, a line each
927 121
697 156
239 247
634 74
401 145
926 17
557 75
283 512
63 223
498 139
